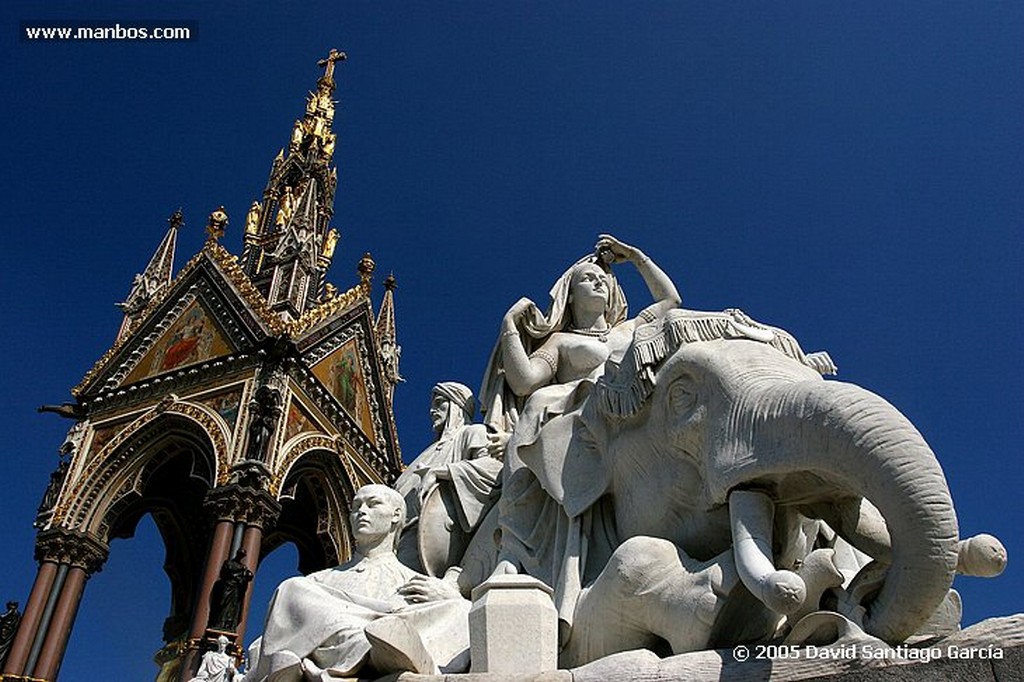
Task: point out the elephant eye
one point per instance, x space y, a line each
680 396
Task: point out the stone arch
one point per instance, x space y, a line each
163 464
122 466
314 492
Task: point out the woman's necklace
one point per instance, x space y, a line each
599 334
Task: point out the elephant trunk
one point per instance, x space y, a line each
848 442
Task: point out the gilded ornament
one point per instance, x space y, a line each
216 223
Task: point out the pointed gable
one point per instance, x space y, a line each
210 310
192 338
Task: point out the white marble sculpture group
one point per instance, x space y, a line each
681 480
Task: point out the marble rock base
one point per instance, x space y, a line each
1005 634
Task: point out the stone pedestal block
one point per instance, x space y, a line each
513 626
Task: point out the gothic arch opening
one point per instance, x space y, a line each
314 512
169 468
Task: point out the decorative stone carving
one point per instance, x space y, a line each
243 502
71 547
9 620
371 613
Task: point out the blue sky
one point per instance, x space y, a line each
851 172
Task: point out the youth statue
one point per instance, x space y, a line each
369 615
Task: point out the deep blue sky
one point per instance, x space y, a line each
852 172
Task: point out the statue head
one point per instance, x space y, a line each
222 644
559 315
589 286
451 405
378 514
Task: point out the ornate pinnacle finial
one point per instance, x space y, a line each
327 64
216 223
390 283
176 220
366 267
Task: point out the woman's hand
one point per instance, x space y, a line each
516 313
614 251
496 443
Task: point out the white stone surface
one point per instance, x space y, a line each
718 435
513 626
317 625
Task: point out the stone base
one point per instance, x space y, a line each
1005 634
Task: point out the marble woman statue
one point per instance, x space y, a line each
543 367
217 666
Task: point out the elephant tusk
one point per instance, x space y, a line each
751 514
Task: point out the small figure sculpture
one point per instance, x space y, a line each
285 207
390 355
328 145
228 591
297 133
330 242
217 666
371 614
467 459
52 490
9 621
252 220
216 223
266 408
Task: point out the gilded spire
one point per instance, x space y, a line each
288 239
154 279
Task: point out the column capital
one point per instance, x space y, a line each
245 498
72 547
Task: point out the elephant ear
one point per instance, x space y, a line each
585 476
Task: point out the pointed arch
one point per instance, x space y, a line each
314 491
123 464
163 465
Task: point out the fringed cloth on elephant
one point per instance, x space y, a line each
537 533
323 616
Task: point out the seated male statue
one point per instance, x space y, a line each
458 476
369 615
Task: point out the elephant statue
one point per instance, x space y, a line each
717 446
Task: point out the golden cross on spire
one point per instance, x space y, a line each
328 64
